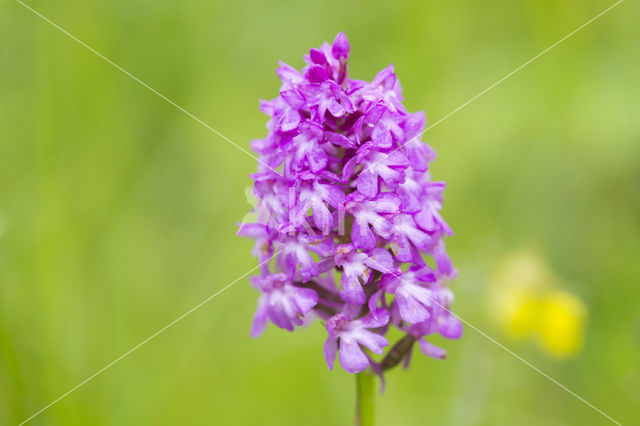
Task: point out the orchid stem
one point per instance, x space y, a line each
365 398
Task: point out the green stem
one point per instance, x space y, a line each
365 399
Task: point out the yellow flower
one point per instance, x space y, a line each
528 304
562 317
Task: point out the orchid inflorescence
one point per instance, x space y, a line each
347 209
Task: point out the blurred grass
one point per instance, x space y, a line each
117 211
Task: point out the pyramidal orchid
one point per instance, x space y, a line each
347 210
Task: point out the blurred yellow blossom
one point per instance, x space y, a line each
528 302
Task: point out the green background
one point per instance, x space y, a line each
118 211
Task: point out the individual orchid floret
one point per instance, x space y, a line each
281 302
413 298
348 219
372 218
349 336
356 270
377 167
442 322
385 87
405 236
271 192
305 150
294 254
319 197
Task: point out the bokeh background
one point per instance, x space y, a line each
118 211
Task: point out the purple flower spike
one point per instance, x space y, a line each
348 212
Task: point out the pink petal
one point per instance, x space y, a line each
351 356
410 310
260 318
367 183
330 348
432 350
